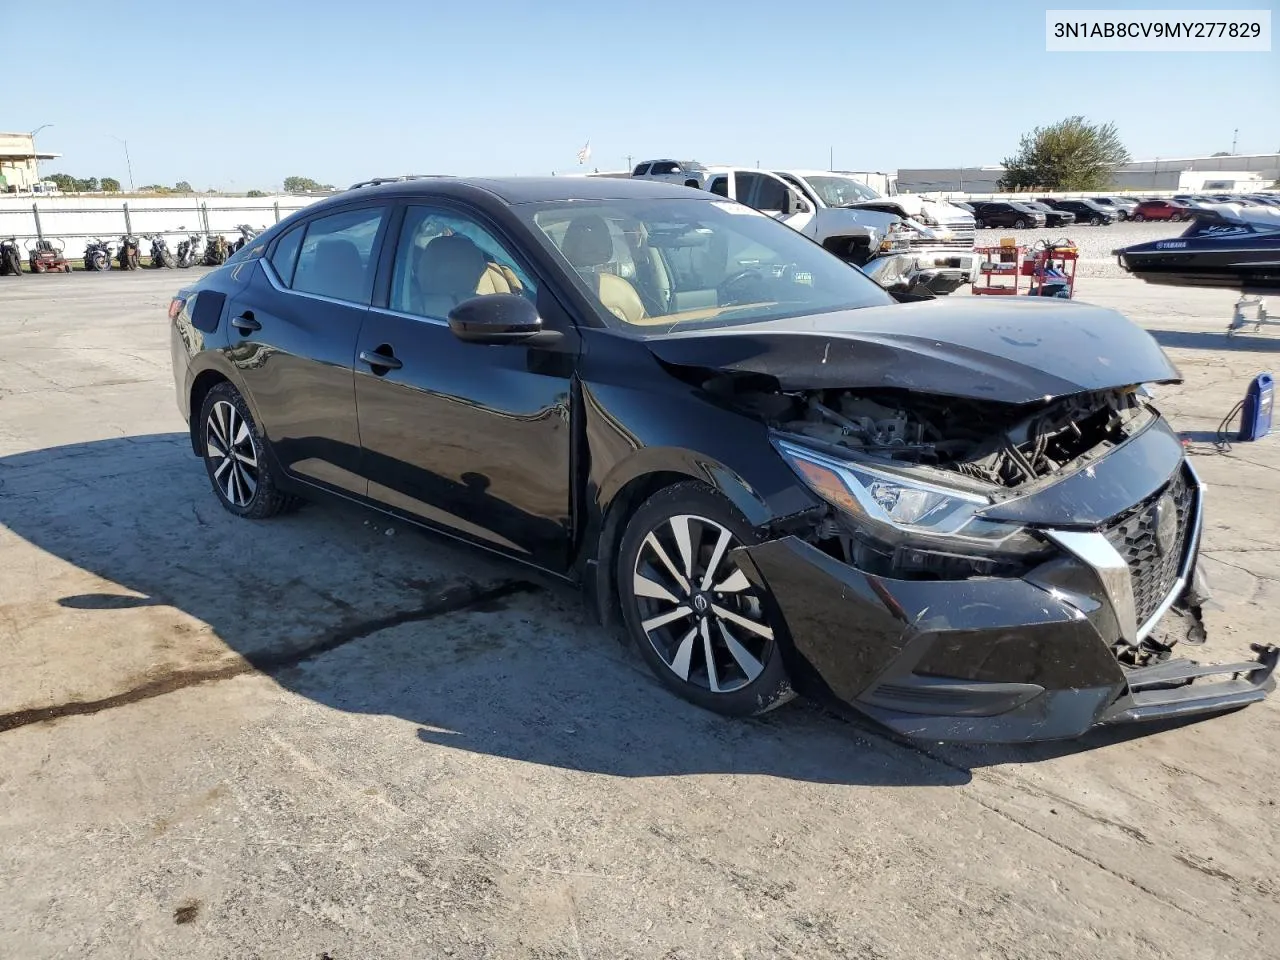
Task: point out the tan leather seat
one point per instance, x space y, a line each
498 278
448 270
588 246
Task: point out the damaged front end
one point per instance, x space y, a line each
981 570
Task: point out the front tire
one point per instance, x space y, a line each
704 629
1019 224
1137 218
235 457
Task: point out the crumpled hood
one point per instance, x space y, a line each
1009 351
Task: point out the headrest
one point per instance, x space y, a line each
449 264
587 242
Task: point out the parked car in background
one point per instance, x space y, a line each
772 475
1052 217
1086 211
943 234
1007 213
1194 202
1123 206
1161 210
688 173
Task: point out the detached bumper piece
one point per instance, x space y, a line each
1182 688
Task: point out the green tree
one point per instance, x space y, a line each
182 187
1072 154
255 193
87 185
1221 153
300 184
66 183
110 184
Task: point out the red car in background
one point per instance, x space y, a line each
1162 210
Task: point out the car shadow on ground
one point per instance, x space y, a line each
1246 341
491 660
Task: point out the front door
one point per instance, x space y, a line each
469 438
292 340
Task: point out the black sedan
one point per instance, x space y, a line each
1006 213
1052 217
958 517
1086 211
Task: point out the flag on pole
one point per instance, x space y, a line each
585 153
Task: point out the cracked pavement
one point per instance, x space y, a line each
331 735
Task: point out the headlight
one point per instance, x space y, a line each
900 510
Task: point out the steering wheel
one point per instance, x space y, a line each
752 282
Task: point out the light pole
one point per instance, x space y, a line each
127 162
35 159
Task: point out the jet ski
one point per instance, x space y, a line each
1225 246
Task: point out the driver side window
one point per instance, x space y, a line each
444 257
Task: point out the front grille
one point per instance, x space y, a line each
962 238
1134 535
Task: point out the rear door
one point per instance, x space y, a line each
472 439
293 336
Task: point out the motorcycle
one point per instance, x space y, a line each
190 250
10 258
247 233
128 255
215 253
97 255
161 256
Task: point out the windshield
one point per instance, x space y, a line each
838 191
649 266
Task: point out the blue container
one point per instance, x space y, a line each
1256 422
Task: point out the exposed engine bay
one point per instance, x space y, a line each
1003 444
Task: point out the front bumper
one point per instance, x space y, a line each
1000 660
943 269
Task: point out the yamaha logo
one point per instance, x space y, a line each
1165 518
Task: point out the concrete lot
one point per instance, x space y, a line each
328 736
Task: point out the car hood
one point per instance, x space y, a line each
1010 351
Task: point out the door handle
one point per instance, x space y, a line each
375 359
246 324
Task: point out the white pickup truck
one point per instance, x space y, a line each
943 245
854 234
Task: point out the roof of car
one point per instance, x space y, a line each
537 189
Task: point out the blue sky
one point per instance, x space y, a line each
241 94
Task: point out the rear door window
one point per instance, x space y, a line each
720 186
337 256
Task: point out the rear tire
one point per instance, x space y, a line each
237 459
712 637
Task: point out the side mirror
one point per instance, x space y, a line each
793 203
495 318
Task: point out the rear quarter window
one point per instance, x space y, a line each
285 255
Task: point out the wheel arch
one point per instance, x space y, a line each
205 379
625 488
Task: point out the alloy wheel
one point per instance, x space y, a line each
698 610
228 444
